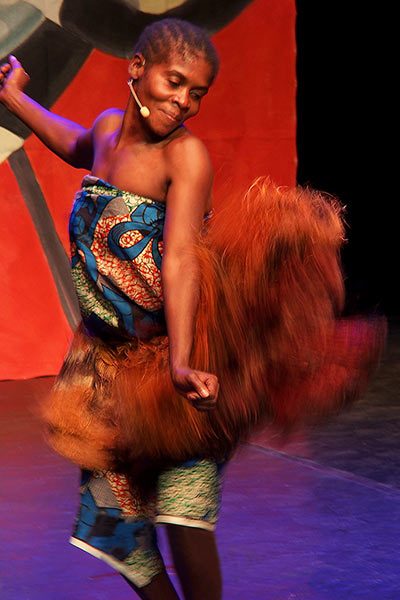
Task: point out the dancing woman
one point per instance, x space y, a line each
166 175
138 404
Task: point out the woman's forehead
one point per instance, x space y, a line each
184 57
188 66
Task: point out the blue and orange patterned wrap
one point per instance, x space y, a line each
116 252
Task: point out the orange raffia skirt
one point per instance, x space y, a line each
268 325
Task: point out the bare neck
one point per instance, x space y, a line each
134 129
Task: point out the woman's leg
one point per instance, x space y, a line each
160 588
188 499
196 560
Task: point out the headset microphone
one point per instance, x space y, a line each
144 111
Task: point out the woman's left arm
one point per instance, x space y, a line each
187 201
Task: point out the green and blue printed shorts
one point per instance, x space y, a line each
116 519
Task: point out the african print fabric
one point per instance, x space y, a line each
116 249
116 518
116 252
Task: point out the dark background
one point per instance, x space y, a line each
344 141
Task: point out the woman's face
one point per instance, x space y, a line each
173 91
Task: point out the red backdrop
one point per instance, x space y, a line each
247 121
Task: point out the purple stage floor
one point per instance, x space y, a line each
315 519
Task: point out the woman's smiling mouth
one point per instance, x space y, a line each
171 117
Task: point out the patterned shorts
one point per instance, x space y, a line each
116 519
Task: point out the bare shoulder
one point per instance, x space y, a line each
188 154
190 174
107 121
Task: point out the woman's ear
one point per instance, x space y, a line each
136 66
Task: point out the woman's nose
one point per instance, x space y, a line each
183 99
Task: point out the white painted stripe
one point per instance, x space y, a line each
50 8
156 7
9 143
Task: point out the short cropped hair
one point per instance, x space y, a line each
161 39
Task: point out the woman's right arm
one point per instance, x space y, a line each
72 142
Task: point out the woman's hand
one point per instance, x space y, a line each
13 77
199 388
